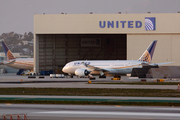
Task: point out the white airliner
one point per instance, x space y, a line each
18 63
84 68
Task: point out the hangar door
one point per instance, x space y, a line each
55 50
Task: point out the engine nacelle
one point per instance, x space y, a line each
81 72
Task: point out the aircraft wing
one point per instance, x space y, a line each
93 68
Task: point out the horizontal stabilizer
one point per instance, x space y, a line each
148 64
8 62
155 64
164 63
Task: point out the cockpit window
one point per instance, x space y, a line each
67 65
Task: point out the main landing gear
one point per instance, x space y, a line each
102 76
91 77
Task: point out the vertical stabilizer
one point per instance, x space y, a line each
8 53
148 54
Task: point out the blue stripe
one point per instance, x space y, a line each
151 49
5 48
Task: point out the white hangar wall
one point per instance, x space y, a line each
166 29
167 48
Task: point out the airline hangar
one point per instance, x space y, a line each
66 37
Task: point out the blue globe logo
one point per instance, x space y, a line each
150 23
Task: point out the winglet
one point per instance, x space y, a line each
8 53
148 54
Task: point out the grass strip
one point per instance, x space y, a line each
91 92
90 103
140 83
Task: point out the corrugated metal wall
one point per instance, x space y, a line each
56 50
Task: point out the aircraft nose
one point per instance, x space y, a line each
64 69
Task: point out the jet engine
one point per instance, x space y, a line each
82 72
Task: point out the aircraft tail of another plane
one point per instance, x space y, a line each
8 53
148 54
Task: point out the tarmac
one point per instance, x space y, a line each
12 80
88 112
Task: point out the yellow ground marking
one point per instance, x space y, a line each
118 106
8 103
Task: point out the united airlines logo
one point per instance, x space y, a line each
10 56
146 57
150 23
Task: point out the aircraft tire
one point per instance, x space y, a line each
92 78
102 76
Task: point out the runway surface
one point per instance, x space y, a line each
89 112
11 80
91 98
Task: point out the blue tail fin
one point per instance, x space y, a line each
148 54
8 53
